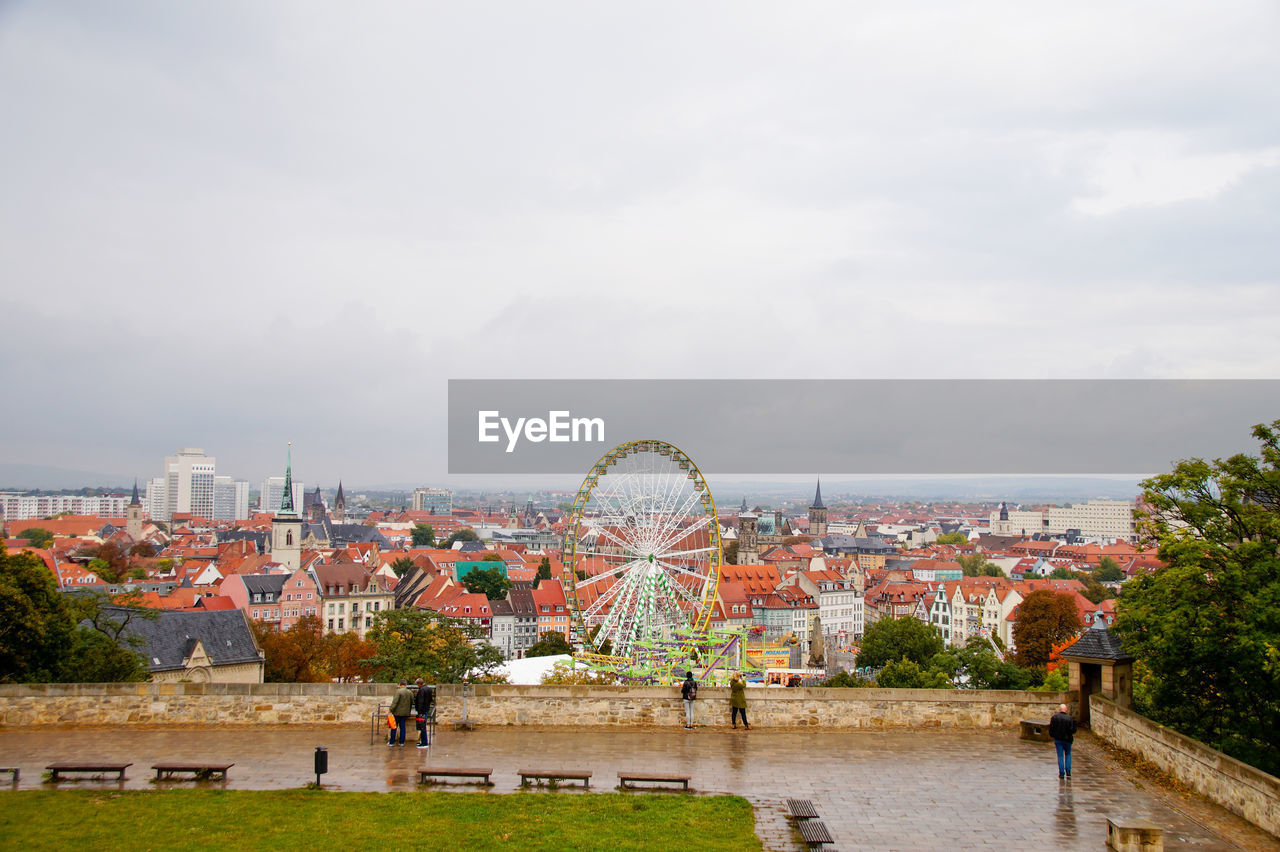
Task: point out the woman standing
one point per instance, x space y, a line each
738 700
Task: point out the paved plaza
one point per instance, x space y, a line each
930 789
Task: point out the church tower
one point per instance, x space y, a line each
133 516
286 526
748 541
339 512
818 514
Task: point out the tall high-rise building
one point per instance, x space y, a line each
435 501
230 499
185 486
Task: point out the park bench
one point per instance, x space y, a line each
627 779
801 809
100 768
1034 730
454 772
550 775
12 770
200 768
1134 836
815 833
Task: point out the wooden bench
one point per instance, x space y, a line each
454 772
207 770
1034 730
815 833
555 775
801 809
56 769
1134 836
12 770
651 778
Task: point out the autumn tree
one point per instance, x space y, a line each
1045 618
730 552
1207 628
977 565
295 655
953 538
414 643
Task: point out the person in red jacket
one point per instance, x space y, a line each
1063 730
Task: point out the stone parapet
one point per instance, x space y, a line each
504 704
1238 787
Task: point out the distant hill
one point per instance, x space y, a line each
22 477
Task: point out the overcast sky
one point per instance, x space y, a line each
231 225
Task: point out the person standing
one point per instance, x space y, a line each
1063 730
738 700
689 693
423 703
401 708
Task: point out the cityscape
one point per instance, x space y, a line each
640 427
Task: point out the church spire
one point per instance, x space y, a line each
134 500
817 497
286 499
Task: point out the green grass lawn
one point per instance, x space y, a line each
320 820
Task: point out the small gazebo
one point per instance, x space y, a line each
1098 663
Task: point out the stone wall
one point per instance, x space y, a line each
501 704
189 703
1238 787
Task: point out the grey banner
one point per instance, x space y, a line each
858 426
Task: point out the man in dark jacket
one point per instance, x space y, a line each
1063 730
689 693
423 703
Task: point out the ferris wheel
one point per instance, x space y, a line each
642 549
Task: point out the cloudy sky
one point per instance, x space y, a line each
231 225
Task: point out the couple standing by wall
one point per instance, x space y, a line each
737 699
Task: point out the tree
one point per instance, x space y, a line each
1108 571
891 639
414 643
423 535
1095 592
37 537
544 569
977 565
549 644
295 655
1045 618
492 557
402 565
492 582
907 674
730 552
144 549
975 665
464 534
1206 629
953 538
35 626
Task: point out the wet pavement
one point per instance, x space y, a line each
932 789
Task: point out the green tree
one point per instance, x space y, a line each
975 665
892 639
464 534
423 535
1045 619
1108 571
401 565
977 565
544 569
1206 629
907 674
549 644
35 626
730 552
420 643
1095 592
1062 572
37 537
492 582
953 538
